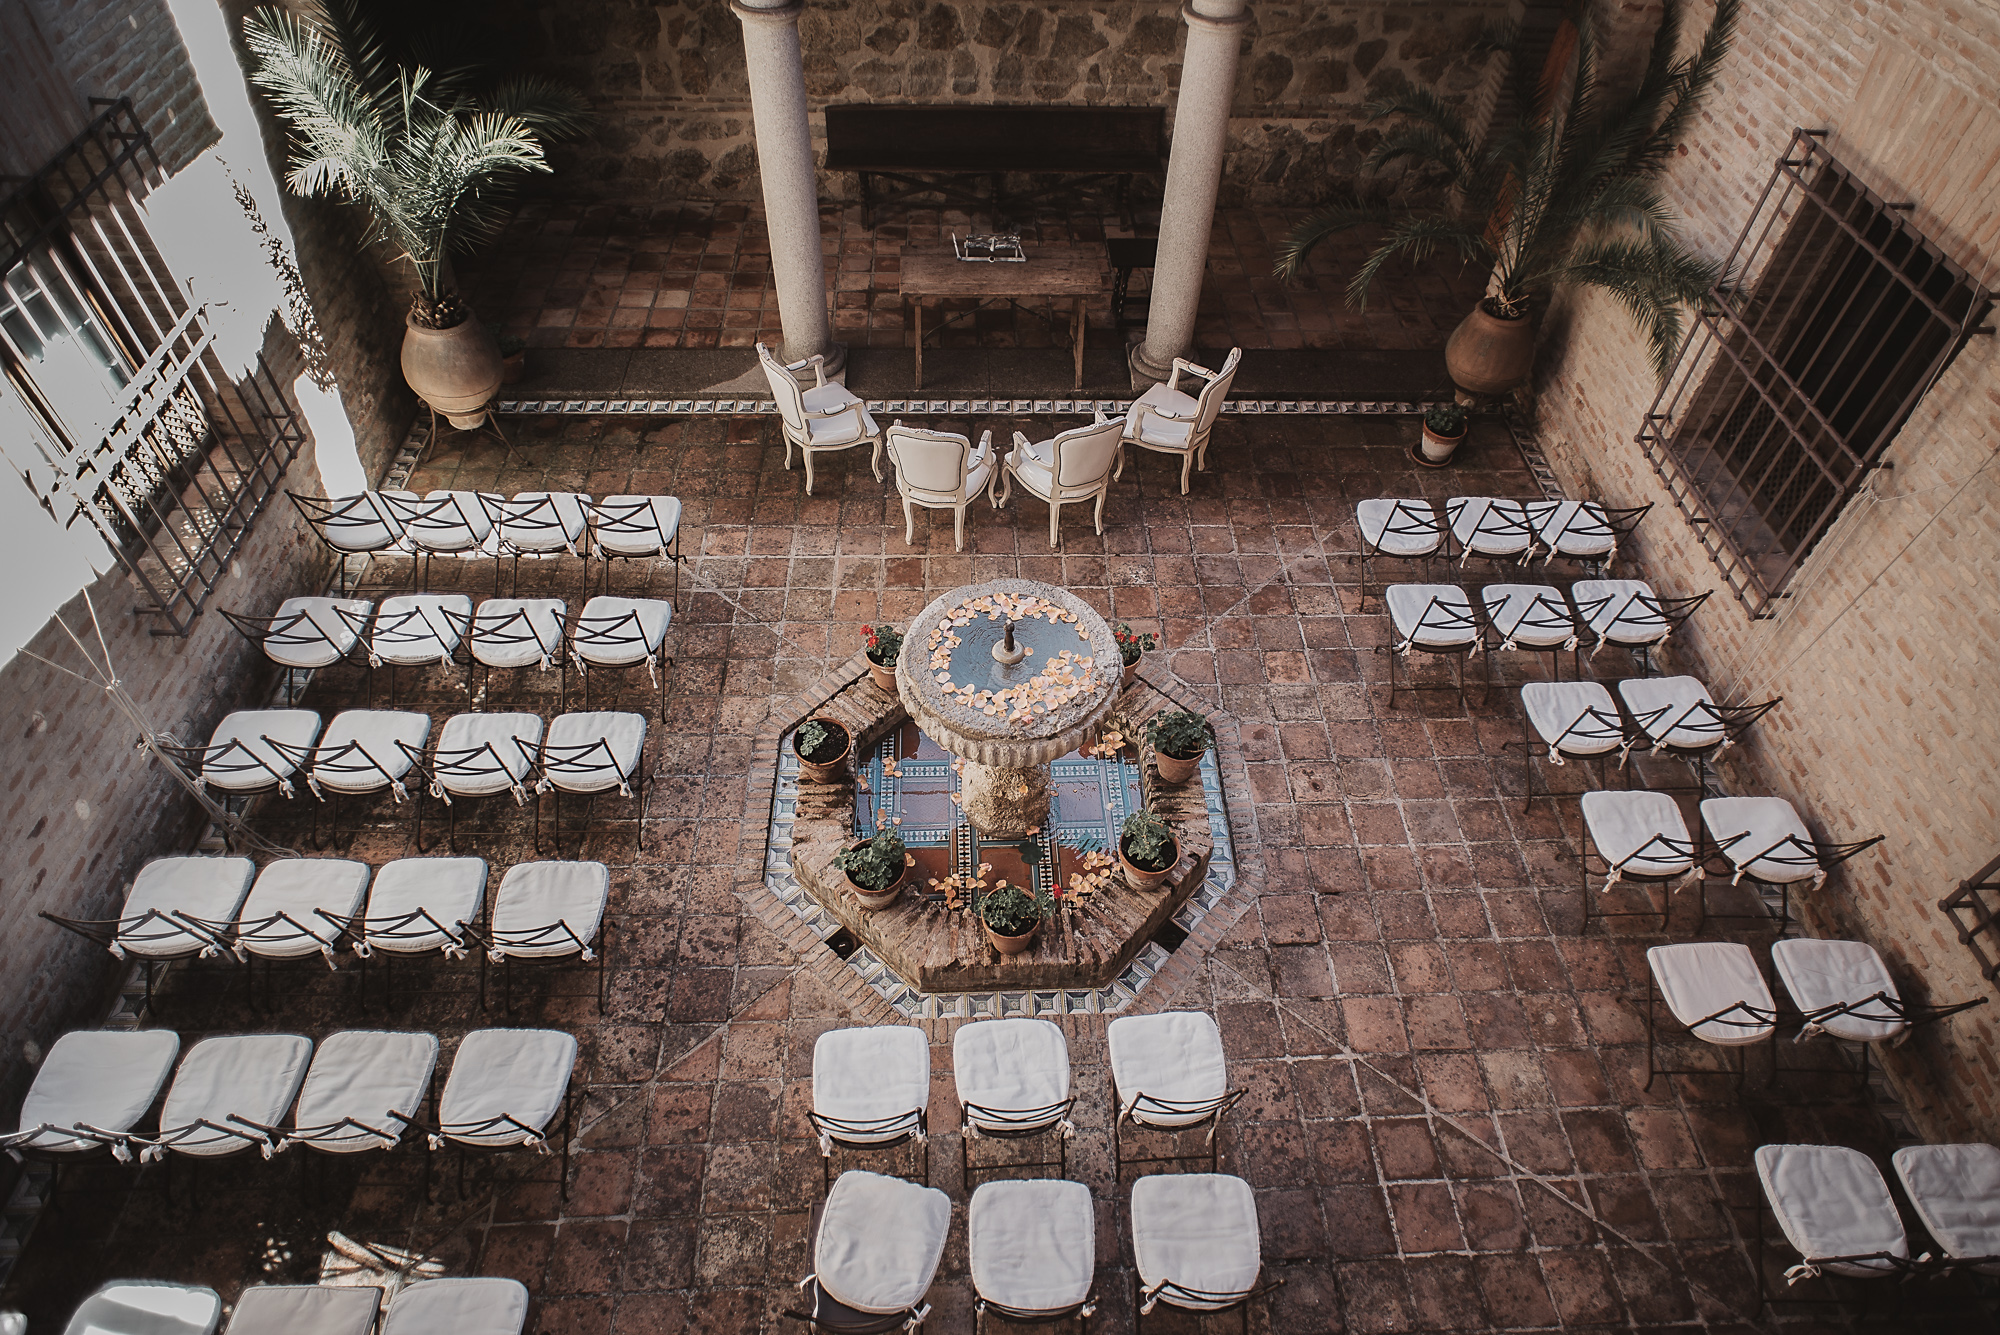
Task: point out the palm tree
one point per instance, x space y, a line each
429 153
1565 195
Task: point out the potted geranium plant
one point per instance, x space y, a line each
1147 849
1012 916
1131 644
822 746
876 868
884 646
1444 428
429 154
1178 738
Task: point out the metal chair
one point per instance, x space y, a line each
147 1307
305 1309
251 751
1843 990
1068 468
819 420
1678 717
1033 1251
1013 1081
168 899
1168 420
1764 842
417 630
1488 527
586 754
1575 720
1436 618
516 633
538 524
92 1089
1637 836
352 525
616 633
306 634
364 1091
1716 991
1582 531
940 471
1533 617
637 528
1408 530
1627 614
1167 1074
443 523
480 755
506 1091
415 907
365 751
545 911
1195 1244
1833 1207
487 1306
871 1087
877 1242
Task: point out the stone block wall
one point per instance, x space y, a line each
1886 651
668 80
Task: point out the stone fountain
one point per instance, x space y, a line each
1008 676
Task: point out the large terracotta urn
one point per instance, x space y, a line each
456 371
1489 355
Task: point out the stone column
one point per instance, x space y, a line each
1194 172
785 162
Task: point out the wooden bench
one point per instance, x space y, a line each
930 149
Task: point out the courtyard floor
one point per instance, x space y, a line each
1447 1126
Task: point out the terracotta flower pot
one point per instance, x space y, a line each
826 771
1176 769
457 371
1131 673
1011 945
876 900
1488 355
1138 877
1436 450
883 677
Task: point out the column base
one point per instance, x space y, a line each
1144 373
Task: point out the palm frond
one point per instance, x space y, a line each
1339 216
1418 237
554 111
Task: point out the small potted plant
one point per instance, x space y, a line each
1012 916
876 867
1147 849
1178 738
1444 428
885 644
1131 644
513 358
822 746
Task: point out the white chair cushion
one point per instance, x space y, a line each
1174 1056
605 637
314 633
1017 1065
1033 1244
461 1306
1547 616
147 1307
1198 1230
105 1079
1765 823
1832 1201
535 896
1621 824
1031 471
1449 622
254 1076
842 429
529 525
518 632
1573 528
1489 526
418 628
637 525
877 1073
1831 973
296 887
376 760
1955 1190
517 1073
211 889
1399 527
366 1074
1684 724
880 1239
1168 423
1613 610
477 774
462 527
234 771
591 772
1702 978
449 889
1554 708
305 1309
364 523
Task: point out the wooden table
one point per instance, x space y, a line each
932 275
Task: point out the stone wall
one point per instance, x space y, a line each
1885 653
668 79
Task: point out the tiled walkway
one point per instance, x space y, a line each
1446 1126
699 276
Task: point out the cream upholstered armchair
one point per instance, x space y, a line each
940 471
1168 420
819 420
1073 466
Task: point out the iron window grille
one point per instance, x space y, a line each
175 464
1832 319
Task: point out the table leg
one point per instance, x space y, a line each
918 384
1076 337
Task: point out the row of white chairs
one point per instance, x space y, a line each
1672 716
431 629
1495 528
1032 1250
477 755
207 907
486 524
423 1307
359 1090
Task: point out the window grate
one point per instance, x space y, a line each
1833 319
126 418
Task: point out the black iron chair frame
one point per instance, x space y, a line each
459 644
494 946
563 765
1823 857
323 947
1728 723
832 1129
438 1134
391 783
1560 617
1757 1017
262 631
1669 614
516 628
1617 873
1212 1112
360 927
1453 619
1017 1124
322 513
454 764
415 516
1164 1292
659 664
1022 1316
1900 1268
623 522
108 932
1590 518
1609 725
542 517
1493 522
1420 523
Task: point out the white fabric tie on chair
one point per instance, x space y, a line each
1555 756
437 791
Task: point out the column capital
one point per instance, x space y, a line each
786 14
1194 18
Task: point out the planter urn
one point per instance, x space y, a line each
1488 355
457 371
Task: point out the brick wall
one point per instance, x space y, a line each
1886 654
130 48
